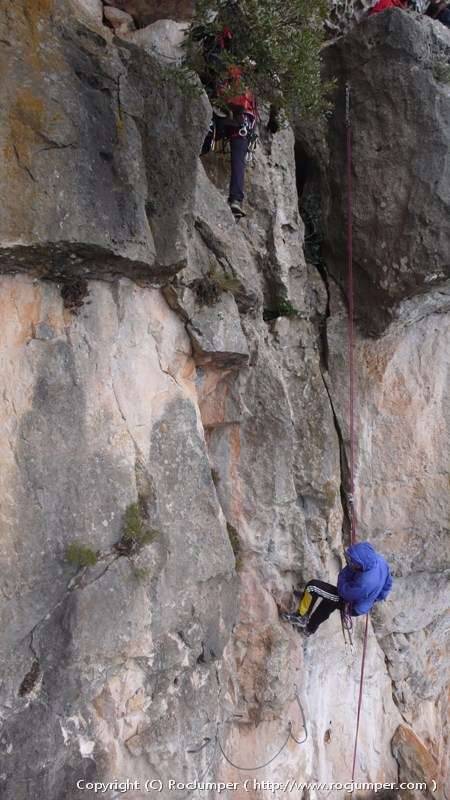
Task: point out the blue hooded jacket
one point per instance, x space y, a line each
371 582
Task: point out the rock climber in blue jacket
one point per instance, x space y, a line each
364 581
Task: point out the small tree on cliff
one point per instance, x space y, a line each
277 44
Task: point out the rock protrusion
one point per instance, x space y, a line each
91 135
400 128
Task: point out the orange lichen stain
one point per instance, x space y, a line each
413 751
212 396
37 53
25 122
23 305
234 478
376 364
68 318
188 371
35 10
120 126
56 320
397 399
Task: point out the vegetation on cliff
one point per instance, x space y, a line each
277 45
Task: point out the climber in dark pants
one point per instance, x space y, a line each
324 600
237 130
364 581
239 150
234 107
439 10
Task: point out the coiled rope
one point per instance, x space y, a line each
289 736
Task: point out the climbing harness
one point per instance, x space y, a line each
351 346
248 130
253 140
244 128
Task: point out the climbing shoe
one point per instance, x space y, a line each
237 210
296 621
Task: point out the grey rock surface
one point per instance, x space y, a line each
344 14
163 39
120 21
402 503
145 12
104 417
400 116
89 133
222 424
92 8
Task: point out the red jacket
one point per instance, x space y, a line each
243 98
382 5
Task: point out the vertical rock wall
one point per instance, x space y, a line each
141 375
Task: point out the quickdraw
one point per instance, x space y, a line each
347 628
252 145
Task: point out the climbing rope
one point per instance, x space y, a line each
350 294
351 359
218 747
289 736
361 684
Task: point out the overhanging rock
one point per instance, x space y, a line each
401 169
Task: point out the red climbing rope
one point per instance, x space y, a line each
350 294
351 359
361 684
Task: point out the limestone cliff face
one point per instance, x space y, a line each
139 372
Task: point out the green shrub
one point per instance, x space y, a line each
79 555
209 288
228 283
140 574
281 308
277 44
133 530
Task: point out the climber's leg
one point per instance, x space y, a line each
444 17
317 602
327 600
239 148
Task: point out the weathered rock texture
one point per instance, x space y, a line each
395 63
224 433
90 136
163 39
344 14
147 11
